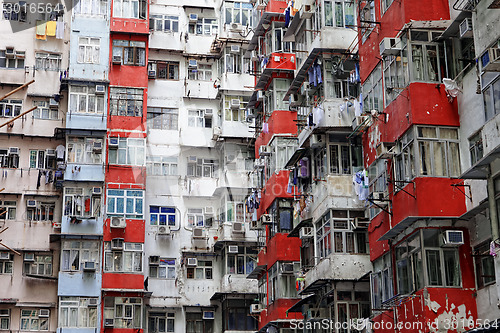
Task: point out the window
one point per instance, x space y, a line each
43 212
491 97
10 108
125 260
126 202
238 12
164 268
78 312
367 19
200 118
396 76
476 148
8 160
242 262
161 215
319 159
90 7
130 151
37 264
162 118
350 306
44 112
381 281
281 282
204 26
162 165
166 70
6 265
84 150
14 11
47 61
232 112
334 87
130 9
16 61
425 66
161 322
203 270
8 210
83 99
4 319
88 50
126 102
339 14
35 320
82 202
372 91
386 4
126 311
196 218
196 324
202 72
281 212
75 253
236 315
167 23
437 150
485 266
202 167
234 62
132 52
344 158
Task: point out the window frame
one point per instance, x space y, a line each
89 50
168 118
76 198
156 317
81 251
48 61
85 314
165 70
84 145
204 270
87 95
115 260
140 6
127 196
114 305
32 318
125 47
126 102
173 22
127 149
164 264
39 262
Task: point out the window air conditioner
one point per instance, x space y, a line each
117 60
192 262
390 46
378 196
97 147
50 152
89 266
13 151
152 74
208 315
100 89
238 227
235 49
113 142
109 322
10 53
163 230
232 249
93 301
198 233
466 28
154 260
193 18
266 219
31 203
287 268
209 113
236 27
256 308
453 238
317 140
96 190
385 150
117 244
361 223
193 63
306 232
209 210
254 225
490 60
118 222
235 104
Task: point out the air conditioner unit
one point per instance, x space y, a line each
390 46
97 146
13 151
44 313
235 27
361 223
209 113
31 203
378 196
260 95
490 60
4 255
109 322
154 260
198 233
385 150
266 219
10 53
192 159
193 63
50 152
255 225
100 89
453 238
466 28
113 142
93 301
117 244
30 256
317 140
192 262
152 74
193 17
238 227
232 249
235 49
306 232
235 104
163 230
265 150
287 268
208 315
256 308
89 266
117 60
209 210
217 133
118 222
306 11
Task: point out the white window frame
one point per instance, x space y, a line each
126 101
18 62
75 312
160 22
165 119
91 8
115 261
30 321
132 53
164 270
75 202
333 4
126 311
168 319
203 72
44 112
127 149
4 319
81 99
116 199
89 50
203 167
233 13
40 160
203 271
14 106
42 261
77 252
205 26
132 9
43 212
198 118
11 207
48 61
7 266
80 150
162 165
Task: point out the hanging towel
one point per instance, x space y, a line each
41 27
265 128
287 17
60 30
310 72
317 74
51 28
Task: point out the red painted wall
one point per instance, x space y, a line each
282 61
280 122
276 6
275 187
133 233
377 228
277 310
280 248
122 281
126 175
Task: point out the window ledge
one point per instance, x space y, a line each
45 277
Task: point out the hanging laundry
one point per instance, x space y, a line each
310 120
265 128
46 177
361 184
317 74
310 73
39 179
60 30
41 27
318 113
304 167
357 108
287 16
51 28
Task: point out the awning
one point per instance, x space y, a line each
257 272
303 223
8 300
219 244
474 211
35 305
297 307
480 170
315 286
406 222
297 155
292 28
219 296
454 27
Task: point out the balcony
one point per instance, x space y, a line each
127 25
84 172
233 283
82 225
277 63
